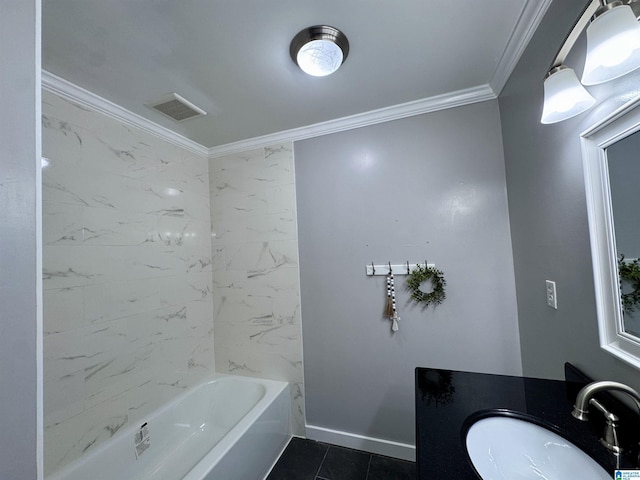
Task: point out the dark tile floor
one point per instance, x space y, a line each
311 460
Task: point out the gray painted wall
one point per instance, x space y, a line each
548 210
406 190
19 170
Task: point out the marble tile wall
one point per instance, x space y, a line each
128 305
255 269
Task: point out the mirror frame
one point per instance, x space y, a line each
594 141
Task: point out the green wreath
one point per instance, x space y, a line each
421 275
629 272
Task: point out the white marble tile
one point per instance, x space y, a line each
68 440
276 169
61 224
199 287
63 310
234 203
110 227
62 182
236 159
64 353
129 297
173 176
65 358
198 262
104 153
230 230
258 259
196 206
171 231
61 141
67 266
281 153
257 328
150 197
201 355
53 105
279 199
200 318
277 283
116 375
157 326
197 169
272 227
64 397
238 307
127 276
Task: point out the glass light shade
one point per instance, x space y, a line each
564 96
613 46
319 57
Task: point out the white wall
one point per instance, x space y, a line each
430 187
128 312
255 269
20 288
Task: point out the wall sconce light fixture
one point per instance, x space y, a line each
613 50
319 50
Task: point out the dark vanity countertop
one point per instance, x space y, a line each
446 398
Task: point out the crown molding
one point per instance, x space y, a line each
530 17
79 95
85 98
439 102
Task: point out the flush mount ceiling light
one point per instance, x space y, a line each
613 50
319 50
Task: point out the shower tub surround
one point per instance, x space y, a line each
255 269
203 435
128 311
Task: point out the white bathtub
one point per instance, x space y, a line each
228 428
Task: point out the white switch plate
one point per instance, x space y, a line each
552 299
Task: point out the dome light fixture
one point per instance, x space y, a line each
319 50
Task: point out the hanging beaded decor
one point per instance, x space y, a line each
390 310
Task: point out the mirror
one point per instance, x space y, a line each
612 170
623 161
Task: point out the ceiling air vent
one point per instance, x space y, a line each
176 107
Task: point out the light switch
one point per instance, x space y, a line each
552 299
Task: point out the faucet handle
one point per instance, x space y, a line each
610 436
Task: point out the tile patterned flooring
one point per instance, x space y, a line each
310 460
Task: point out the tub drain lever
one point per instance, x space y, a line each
142 440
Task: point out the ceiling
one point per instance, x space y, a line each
231 58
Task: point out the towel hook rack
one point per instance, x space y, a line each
395 269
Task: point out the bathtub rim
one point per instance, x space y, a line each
273 388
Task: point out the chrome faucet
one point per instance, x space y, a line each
585 398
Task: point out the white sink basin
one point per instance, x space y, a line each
506 448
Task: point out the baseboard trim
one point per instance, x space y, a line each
379 446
